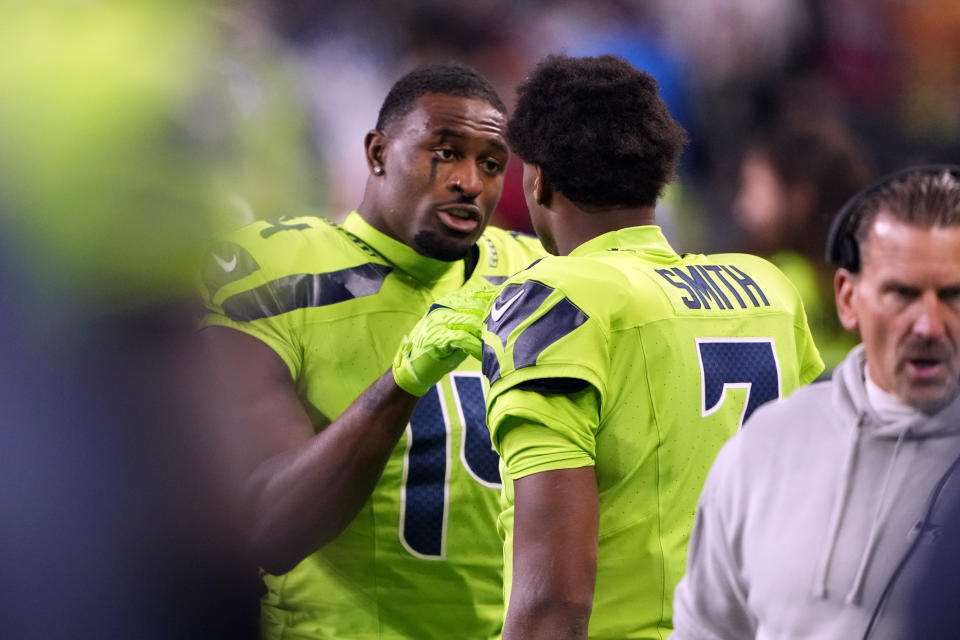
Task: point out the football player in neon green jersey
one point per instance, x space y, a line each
365 533
618 368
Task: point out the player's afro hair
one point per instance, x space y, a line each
597 129
452 79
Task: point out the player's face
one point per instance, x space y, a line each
906 304
443 174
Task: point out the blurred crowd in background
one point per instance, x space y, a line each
131 132
729 69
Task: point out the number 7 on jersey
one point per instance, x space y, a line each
737 363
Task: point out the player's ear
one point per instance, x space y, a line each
542 190
375 145
844 288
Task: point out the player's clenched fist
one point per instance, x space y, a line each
442 339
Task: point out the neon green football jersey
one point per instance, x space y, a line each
423 558
677 352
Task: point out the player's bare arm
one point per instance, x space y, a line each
300 489
554 555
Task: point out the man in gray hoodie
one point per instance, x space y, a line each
815 516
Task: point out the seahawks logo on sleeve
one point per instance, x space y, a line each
516 304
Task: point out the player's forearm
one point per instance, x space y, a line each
552 593
547 618
303 498
555 530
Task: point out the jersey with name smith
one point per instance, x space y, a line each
677 351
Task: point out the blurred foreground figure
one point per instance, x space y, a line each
815 516
611 363
115 522
363 533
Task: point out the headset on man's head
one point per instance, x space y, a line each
843 250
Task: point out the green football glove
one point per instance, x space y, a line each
442 339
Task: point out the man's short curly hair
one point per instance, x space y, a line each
452 79
598 130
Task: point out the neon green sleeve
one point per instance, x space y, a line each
808 356
536 432
536 329
811 364
240 294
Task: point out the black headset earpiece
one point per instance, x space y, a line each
843 250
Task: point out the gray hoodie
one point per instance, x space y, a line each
808 512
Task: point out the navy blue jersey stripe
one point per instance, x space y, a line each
563 318
489 364
514 305
306 290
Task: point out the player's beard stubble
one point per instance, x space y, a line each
433 246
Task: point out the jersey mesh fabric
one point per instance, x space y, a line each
422 558
669 345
